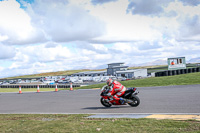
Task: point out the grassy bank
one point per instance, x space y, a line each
184 79
79 123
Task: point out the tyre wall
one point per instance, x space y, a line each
177 72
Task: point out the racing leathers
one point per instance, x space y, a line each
116 90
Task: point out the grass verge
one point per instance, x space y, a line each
37 123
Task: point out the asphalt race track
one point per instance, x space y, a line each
170 100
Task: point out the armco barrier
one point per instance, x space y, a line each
41 86
177 72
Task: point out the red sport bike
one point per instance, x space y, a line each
129 97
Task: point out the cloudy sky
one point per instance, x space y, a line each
52 35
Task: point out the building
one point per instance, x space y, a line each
176 63
90 73
114 67
134 73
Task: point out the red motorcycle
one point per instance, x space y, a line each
129 97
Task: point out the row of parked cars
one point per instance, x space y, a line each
61 80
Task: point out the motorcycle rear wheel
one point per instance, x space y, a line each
105 103
136 101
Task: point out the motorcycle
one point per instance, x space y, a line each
129 97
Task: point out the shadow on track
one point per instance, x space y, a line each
97 108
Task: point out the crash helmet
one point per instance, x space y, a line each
109 82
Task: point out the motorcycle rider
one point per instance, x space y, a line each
116 91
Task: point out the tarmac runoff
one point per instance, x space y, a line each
152 116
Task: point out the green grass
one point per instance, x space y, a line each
45 123
183 79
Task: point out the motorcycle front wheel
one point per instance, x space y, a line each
105 103
136 101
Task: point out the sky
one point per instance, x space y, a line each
39 36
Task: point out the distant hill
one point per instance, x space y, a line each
194 60
59 73
153 64
164 62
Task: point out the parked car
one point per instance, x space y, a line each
14 82
5 83
78 81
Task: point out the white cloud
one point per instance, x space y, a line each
37 59
64 22
121 26
7 52
100 47
150 7
191 2
15 24
3 38
40 53
1 68
78 34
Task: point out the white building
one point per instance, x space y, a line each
114 69
134 73
90 73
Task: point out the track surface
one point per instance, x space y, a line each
170 99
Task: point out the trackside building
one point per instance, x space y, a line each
136 73
91 73
114 67
117 70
